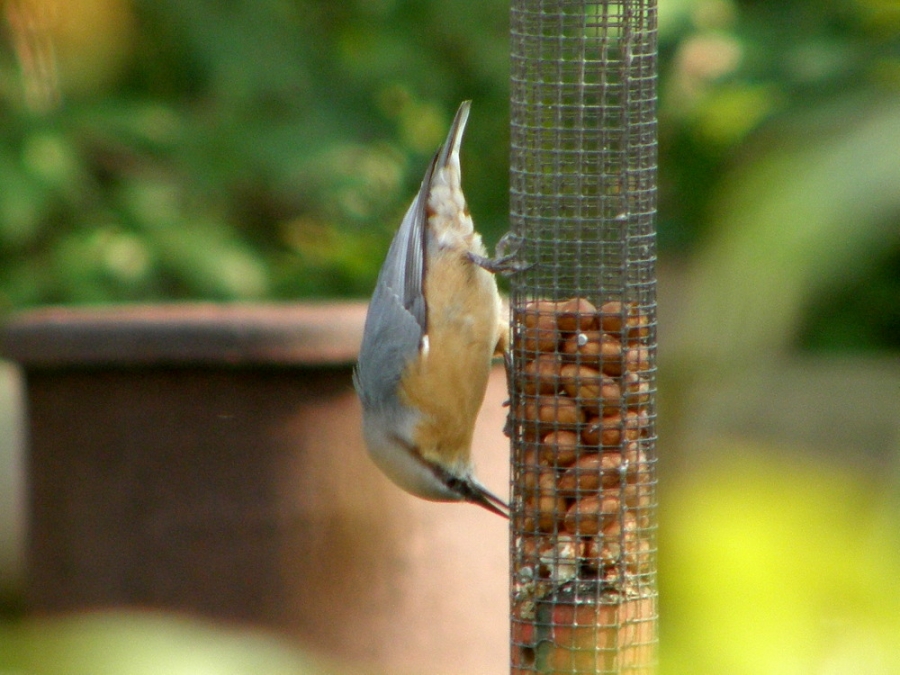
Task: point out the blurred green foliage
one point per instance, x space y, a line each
773 562
779 123
240 150
265 149
146 643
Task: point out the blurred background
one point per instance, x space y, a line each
245 150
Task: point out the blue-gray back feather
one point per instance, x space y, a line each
397 320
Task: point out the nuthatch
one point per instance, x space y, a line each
434 323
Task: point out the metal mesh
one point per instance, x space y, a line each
583 366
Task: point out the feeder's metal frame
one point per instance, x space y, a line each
582 370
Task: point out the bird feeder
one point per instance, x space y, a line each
582 371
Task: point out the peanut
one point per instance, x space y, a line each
544 507
590 473
559 448
608 431
541 333
590 513
593 390
577 314
596 349
553 412
637 390
542 375
637 359
636 325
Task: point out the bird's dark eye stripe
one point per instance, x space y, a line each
454 483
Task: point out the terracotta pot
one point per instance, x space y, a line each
209 459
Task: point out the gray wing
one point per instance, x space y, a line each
397 317
404 267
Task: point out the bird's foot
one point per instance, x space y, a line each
505 262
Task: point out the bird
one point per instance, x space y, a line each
433 326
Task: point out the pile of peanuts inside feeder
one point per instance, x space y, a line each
582 419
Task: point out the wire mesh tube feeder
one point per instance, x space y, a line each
582 370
